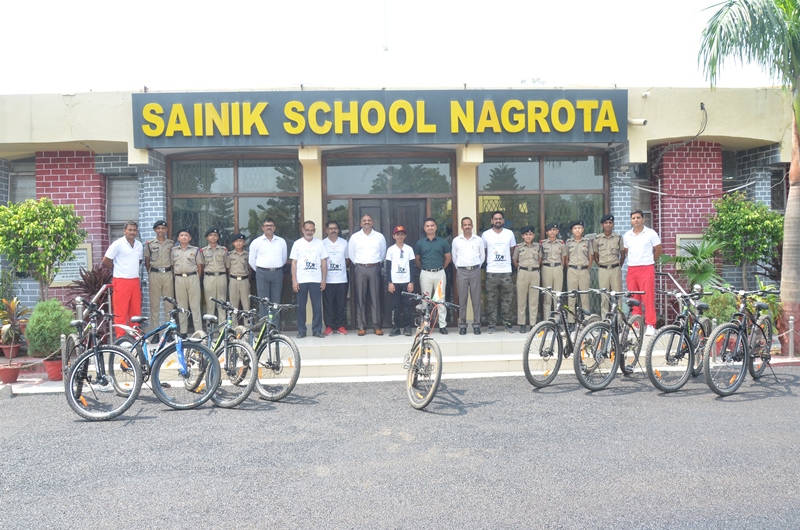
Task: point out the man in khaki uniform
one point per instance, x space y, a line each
554 254
580 256
214 273
239 273
158 263
610 255
527 258
187 265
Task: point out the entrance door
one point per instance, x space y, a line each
386 214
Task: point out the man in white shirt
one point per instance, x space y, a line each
334 297
500 244
468 256
642 248
367 250
267 258
124 258
309 269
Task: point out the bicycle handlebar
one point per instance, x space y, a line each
266 301
425 297
175 307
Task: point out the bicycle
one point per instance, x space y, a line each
600 345
672 353
277 356
550 340
630 329
729 349
185 374
424 360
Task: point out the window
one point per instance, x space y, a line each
122 204
779 188
22 185
388 176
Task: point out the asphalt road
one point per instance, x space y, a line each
487 453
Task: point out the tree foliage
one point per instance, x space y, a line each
695 263
36 235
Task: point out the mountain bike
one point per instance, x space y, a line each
630 329
599 346
551 340
424 360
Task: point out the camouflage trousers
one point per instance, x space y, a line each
503 285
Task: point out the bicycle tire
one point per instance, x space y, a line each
183 390
236 384
424 374
129 343
669 359
278 361
760 346
596 359
699 339
74 350
92 394
631 338
725 359
542 354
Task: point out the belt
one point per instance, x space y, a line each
269 269
186 274
157 269
579 267
471 267
614 266
551 265
213 273
530 269
239 277
433 270
368 264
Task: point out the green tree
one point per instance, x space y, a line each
410 179
695 263
767 33
748 231
36 235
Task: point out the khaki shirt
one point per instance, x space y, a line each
186 261
214 258
237 263
159 253
553 251
528 256
578 252
608 249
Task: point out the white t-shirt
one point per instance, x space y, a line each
640 246
337 264
498 249
401 268
309 256
126 258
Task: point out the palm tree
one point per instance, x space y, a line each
767 33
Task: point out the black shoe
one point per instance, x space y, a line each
395 332
319 334
407 331
462 331
301 335
509 328
443 330
523 329
476 331
490 330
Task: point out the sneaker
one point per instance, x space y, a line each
342 331
407 331
509 328
328 330
490 330
395 332
650 331
523 329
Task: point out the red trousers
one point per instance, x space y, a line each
643 278
127 299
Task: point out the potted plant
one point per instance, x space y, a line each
50 319
14 317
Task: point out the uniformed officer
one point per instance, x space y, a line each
527 258
239 273
187 266
554 258
609 255
214 273
580 256
158 262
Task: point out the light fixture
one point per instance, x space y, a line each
637 121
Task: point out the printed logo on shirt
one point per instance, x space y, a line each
310 265
401 269
499 257
334 267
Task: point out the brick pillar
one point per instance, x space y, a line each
5 169
152 207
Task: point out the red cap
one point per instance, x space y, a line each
399 228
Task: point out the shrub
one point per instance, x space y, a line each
49 320
721 306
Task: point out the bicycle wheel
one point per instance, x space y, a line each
631 337
189 385
725 359
596 358
91 389
424 374
128 343
239 378
73 351
699 338
760 346
278 362
541 355
669 359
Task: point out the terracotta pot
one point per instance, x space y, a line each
9 374
53 369
10 351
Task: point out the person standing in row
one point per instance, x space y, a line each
236 263
267 257
161 283
367 250
500 244
124 258
215 274
468 256
309 270
643 248
399 278
187 264
554 259
609 254
580 256
527 258
334 297
432 256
